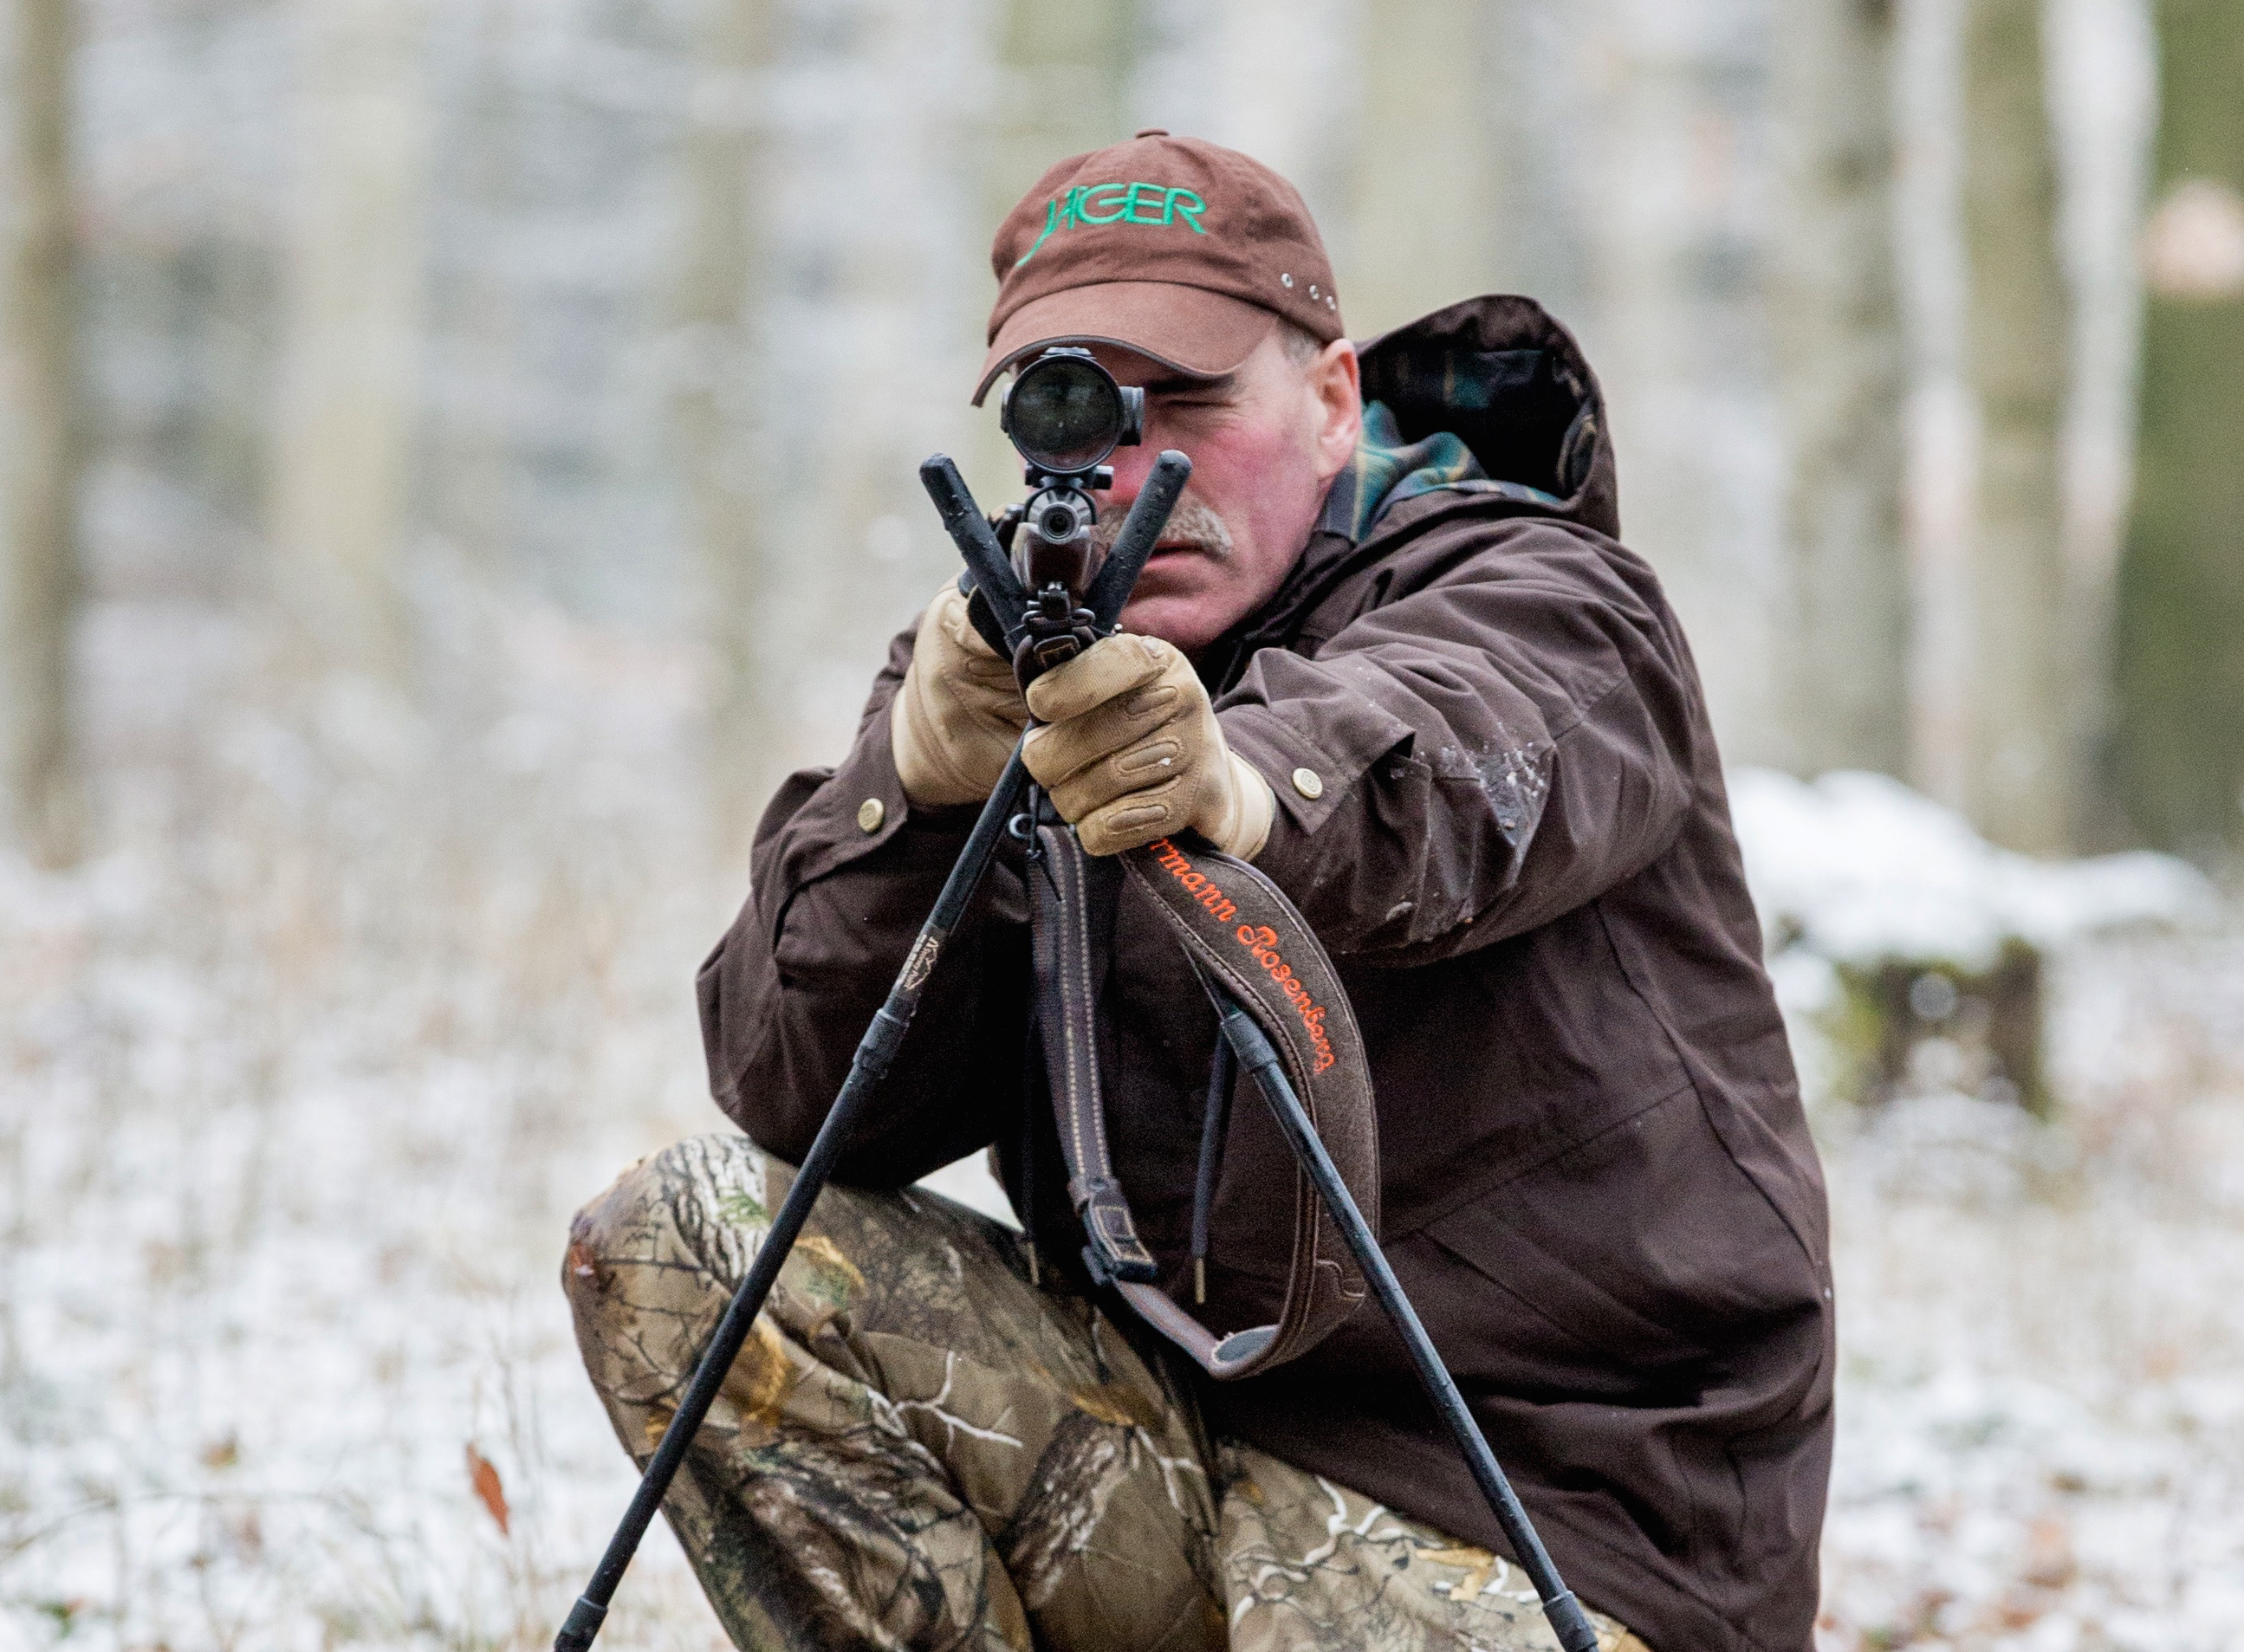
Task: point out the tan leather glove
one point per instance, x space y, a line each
959 712
1132 752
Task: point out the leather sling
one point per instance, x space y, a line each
1241 934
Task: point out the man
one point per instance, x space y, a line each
1390 650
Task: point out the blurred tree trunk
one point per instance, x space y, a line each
352 329
1545 119
1065 80
2024 758
722 281
1422 192
38 418
868 331
1676 248
475 315
1064 88
2103 63
1274 78
2180 642
1843 646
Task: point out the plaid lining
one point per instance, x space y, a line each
1386 470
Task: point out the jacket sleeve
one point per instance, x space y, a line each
1498 745
833 908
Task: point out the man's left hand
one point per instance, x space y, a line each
1133 750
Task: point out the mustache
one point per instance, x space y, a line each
1193 525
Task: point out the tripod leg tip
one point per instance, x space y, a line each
1570 1623
583 1623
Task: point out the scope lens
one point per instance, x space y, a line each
1064 413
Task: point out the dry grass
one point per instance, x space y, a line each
305 1073
2042 1435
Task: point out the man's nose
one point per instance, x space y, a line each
1132 467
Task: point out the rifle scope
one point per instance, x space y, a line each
1065 414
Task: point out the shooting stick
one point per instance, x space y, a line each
1256 1055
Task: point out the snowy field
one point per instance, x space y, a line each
306 1068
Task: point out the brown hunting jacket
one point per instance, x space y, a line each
1599 1188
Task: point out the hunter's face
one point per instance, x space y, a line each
1265 443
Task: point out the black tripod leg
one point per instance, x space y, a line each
875 1052
1255 1054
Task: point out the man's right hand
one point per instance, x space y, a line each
959 712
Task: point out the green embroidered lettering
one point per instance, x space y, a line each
1130 203
1059 211
1083 211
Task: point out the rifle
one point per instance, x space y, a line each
1040 595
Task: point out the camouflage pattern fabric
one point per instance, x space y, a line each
920 1448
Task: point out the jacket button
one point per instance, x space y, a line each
1308 783
870 813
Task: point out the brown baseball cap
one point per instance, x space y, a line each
1175 247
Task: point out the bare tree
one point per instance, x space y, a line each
1538 98
1065 80
1419 216
870 327
38 420
352 328
1843 647
1063 87
1278 79
1674 255
2024 767
2181 599
2103 68
723 274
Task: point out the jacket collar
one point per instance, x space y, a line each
1487 405
1387 470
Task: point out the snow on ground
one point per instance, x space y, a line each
306 1069
305 1073
1858 868
2041 1401
2041 1437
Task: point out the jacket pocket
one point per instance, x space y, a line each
1642 1255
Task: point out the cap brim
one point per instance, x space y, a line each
1198 333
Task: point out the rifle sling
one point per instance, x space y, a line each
1240 932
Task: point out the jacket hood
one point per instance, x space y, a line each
1508 381
1502 377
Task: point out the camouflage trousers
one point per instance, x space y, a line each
920 1448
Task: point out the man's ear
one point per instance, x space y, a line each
1336 382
